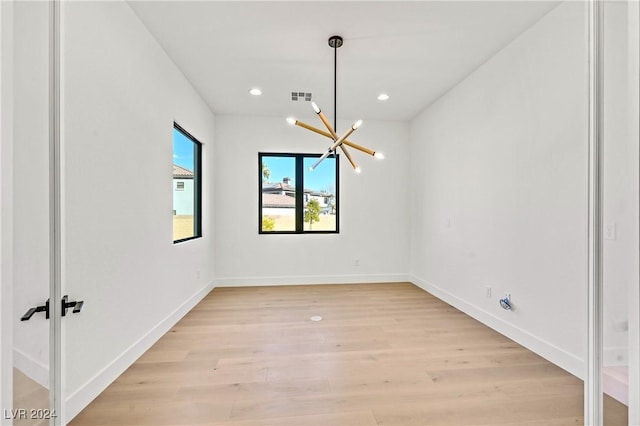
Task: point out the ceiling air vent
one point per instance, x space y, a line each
301 96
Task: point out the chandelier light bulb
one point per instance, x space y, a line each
379 155
255 91
315 107
291 121
356 125
383 97
358 170
325 155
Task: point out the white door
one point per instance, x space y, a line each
620 244
612 385
31 221
29 250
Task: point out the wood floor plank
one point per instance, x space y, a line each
383 354
363 418
28 395
478 410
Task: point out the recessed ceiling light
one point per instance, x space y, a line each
383 97
255 91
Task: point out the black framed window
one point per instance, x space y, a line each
293 199
187 186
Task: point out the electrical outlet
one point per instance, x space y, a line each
487 291
356 262
505 302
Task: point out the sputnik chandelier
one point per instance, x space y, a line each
338 142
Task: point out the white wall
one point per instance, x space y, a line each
498 166
374 213
121 95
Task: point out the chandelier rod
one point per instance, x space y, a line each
335 86
335 42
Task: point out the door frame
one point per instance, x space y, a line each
633 47
6 199
593 393
55 218
593 378
7 316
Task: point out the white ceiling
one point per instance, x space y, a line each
414 51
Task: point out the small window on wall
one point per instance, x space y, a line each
187 178
295 200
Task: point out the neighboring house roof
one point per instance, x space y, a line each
181 172
277 200
279 187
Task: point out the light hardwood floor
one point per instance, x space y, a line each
28 396
384 354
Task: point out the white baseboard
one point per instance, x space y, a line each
545 349
34 369
615 383
310 279
81 397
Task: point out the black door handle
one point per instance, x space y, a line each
77 306
44 308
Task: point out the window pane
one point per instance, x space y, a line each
320 195
278 194
186 182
